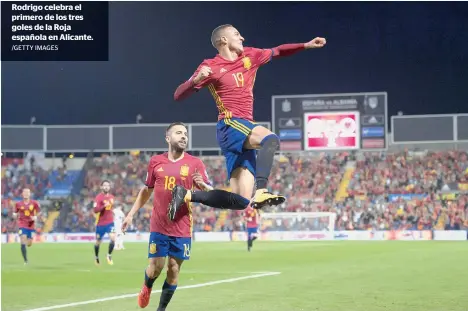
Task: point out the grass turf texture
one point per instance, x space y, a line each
322 276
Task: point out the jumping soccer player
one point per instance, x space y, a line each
119 217
105 220
26 212
230 77
171 236
251 217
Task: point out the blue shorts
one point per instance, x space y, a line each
161 245
231 134
251 232
102 230
27 232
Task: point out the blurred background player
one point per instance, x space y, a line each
103 204
252 220
119 217
230 77
168 238
26 211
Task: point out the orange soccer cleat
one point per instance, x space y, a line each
144 296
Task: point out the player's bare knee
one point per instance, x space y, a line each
29 243
173 269
156 265
98 243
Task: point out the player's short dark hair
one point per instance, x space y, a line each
105 181
174 124
216 34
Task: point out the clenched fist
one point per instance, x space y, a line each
204 72
316 43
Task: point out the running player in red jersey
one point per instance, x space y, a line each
26 212
167 238
103 204
230 77
172 236
252 218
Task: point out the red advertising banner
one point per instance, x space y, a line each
331 130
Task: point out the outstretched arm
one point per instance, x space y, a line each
293 48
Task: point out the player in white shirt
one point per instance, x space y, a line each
119 217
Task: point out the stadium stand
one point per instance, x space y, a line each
399 190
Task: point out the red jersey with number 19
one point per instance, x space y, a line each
103 204
163 174
231 82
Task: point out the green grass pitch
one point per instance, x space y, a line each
314 276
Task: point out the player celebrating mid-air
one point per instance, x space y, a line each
105 220
252 218
230 77
26 212
119 217
173 238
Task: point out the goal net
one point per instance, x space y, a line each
297 226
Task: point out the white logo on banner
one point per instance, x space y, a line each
290 123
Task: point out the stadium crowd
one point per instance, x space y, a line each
410 190
404 190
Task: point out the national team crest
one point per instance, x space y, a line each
247 63
152 248
286 106
373 102
31 207
184 170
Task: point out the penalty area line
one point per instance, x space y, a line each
80 303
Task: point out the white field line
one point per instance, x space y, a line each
73 304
